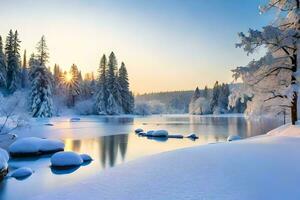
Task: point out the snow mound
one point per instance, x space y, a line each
86 157
35 146
4 157
233 138
22 172
159 133
75 119
138 130
66 159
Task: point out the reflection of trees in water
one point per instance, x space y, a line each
110 147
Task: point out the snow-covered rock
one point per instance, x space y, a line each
139 130
179 136
233 138
192 136
22 172
35 146
86 157
74 119
4 157
159 133
66 159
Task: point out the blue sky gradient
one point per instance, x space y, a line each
166 44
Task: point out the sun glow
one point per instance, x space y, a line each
68 77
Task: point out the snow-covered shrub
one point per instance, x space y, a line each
13 111
85 107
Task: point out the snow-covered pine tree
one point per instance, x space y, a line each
112 107
73 85
205 92
194 98
42 51
223 98
116 92
126 96
2 66
24 72
215 96
12 49
41 92
111 71
102 89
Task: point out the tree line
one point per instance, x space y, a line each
48 93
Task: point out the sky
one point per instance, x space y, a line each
166 45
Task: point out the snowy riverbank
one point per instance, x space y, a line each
263 167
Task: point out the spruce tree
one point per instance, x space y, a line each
102 90
196 95
111 72
73 85
24 72
205 92
116 92
42 49
12 49
215 96
41 94
2 66
126 96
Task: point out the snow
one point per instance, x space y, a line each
233 138
4 157
35 145
66 159
22 172
263 167
86 157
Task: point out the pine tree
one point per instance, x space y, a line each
13 61
223 97
111 72
2 66
112 106
102 90
73 85
205 92
24 72
41 95
215 96
116 92
196 95
126 95
42 50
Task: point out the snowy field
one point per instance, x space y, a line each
111 142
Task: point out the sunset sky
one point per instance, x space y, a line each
166 44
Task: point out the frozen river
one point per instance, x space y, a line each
111 141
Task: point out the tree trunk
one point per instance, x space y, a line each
294 105
294 114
